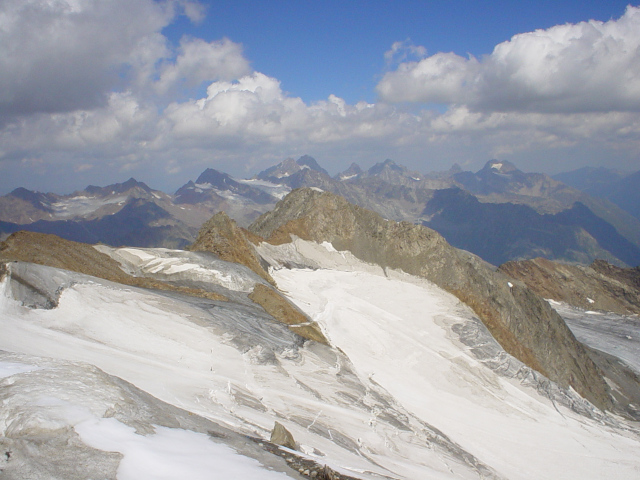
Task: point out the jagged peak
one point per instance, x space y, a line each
213 177
455 168
353 171
386 165
117 187
311 162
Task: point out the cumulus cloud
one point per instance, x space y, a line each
255 110
64 55
92 89
402 51
586 67
199 61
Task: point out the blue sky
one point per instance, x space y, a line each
318 48
96 91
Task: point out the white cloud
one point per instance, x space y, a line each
401 51
64 55
501 106
199 61
586 67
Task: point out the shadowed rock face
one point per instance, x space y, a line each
524 324
600 286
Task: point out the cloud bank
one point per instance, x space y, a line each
93 90
587 67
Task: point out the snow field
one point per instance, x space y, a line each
397 332
373 411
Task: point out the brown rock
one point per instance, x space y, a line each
600 286
281 436
222 236
53 251
282 310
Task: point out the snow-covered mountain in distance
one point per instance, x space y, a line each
120 382
530 214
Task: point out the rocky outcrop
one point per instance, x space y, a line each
282 310
600 286
222 236
281 436
523 323
53 251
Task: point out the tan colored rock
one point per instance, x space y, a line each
281 436
222 236
284 311
600 286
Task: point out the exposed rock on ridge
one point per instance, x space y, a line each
600 286
222 236
524 324
282 310
53 251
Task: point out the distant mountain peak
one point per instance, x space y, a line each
214 178
455 168
290 167
500 166
387 165
117 187
353 171
310 162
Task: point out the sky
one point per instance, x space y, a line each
97 91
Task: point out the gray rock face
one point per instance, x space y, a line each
523 323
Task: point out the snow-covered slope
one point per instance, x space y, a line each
412 387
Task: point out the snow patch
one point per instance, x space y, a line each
7 369
169 453
273 189
175 265
82 205
328 246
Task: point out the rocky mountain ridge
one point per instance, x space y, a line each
499 212
507 308
599 286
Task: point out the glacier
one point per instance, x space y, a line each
148 384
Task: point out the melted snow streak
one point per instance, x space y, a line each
413 387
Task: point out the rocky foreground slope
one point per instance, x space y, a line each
599 286
524 324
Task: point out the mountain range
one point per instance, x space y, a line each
499 212
322 341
